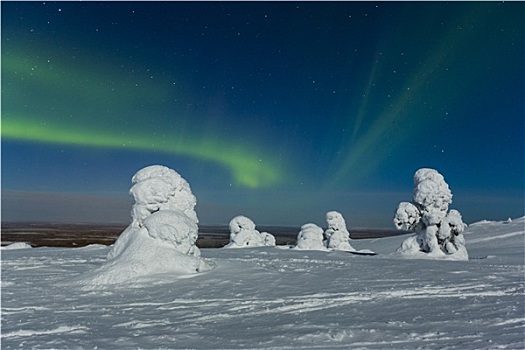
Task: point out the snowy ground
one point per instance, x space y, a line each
274 298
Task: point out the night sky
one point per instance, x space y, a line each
280 111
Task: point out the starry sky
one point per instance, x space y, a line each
280 111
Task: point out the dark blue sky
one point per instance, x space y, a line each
280 111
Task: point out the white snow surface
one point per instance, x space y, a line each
268 298
17 245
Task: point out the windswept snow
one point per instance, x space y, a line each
268 298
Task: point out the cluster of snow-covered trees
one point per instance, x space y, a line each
164 228
311 237
336 236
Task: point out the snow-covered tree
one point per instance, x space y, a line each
310 238
159 189
161 238
243 234
336 235
439 232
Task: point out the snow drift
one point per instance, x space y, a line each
17 245
244 235
162 235
439 232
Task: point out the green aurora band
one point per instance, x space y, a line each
247 170
400 120
50 86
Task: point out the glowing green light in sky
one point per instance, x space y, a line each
247 170
398 120
57 100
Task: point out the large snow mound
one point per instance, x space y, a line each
162 236
244 235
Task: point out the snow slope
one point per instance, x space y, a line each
276 298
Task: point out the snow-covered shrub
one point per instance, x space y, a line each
310 238
439 232
243 234
336 235
162 235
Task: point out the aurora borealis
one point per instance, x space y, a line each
280 111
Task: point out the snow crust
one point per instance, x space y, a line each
439 232
244 235
162 236
276 299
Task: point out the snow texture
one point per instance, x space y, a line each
244 235
271 299
336 235
157 188
162 236
439 232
